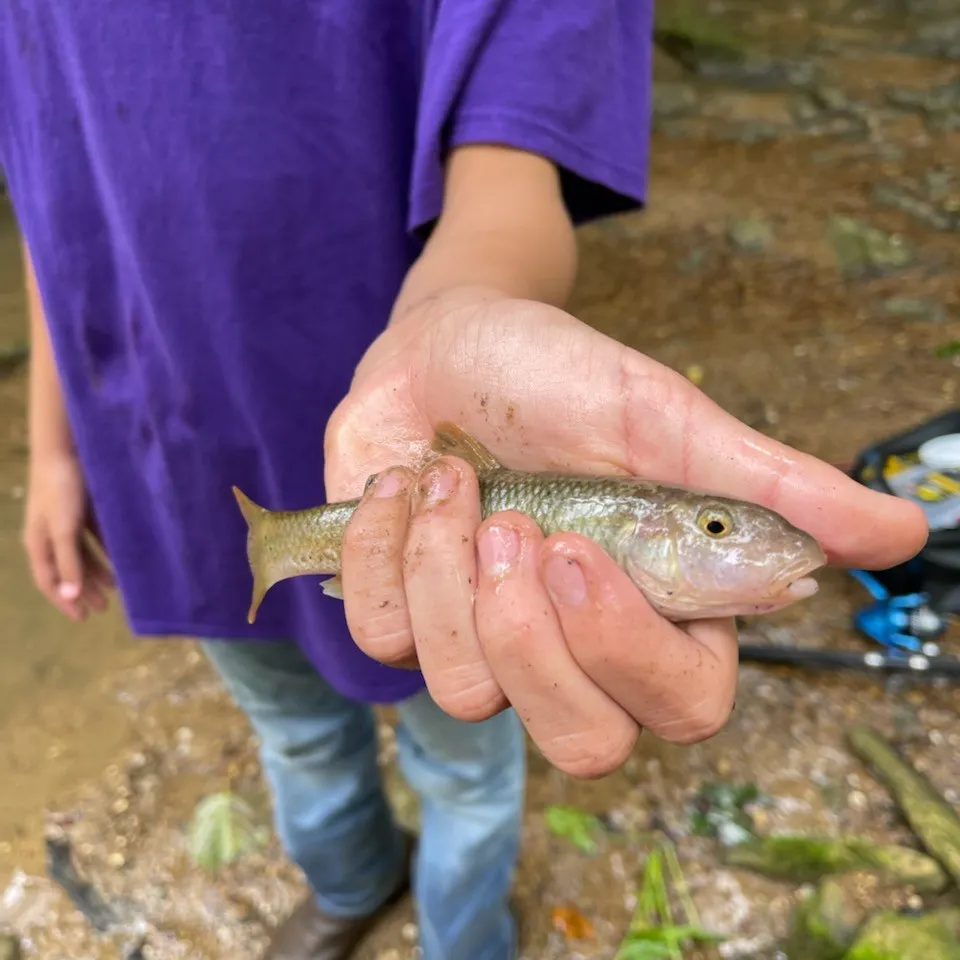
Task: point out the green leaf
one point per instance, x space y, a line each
577 826
678 934
222 831
950 349
644 950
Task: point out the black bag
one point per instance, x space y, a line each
935 571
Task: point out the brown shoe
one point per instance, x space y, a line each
309 934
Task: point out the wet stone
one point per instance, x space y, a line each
938 38
863 250
825 924
915 308
671 100
940 216
750 235
759 74
753 132
940 106
12 355
889 936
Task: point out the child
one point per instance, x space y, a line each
226 207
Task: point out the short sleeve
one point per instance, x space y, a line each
567 79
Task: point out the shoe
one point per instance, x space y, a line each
310 934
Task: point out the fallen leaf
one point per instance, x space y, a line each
572 923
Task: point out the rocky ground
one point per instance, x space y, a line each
799 261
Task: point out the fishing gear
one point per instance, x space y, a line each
913 603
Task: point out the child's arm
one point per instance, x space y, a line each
504 229
71 577
48 428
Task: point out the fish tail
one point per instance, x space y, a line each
256 518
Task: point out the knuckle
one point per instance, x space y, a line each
701 723
597 755
508 637
383 634
471 704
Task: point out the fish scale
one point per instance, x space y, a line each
565 504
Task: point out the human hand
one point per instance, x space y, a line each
496 614
56 524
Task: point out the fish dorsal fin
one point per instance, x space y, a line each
450 440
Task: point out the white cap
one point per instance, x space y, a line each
941 453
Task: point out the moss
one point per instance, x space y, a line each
932 819
891 936
809 859
825 924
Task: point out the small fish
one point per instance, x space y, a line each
693 555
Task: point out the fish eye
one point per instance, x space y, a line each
715 522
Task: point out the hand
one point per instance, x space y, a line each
57 521
492 612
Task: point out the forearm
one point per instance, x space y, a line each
504 231
48 426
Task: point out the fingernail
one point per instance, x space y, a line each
437 484
388 484
497 550
565 581
68 591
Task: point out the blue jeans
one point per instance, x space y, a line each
319 755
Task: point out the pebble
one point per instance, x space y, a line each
750 235
857 800
410 932
674 100
916 308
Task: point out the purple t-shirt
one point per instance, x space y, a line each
221 201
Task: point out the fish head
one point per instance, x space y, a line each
715 557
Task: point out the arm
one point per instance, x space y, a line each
48 427
71 577
504 231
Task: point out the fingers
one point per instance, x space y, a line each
699 444
440 575
374 600
44 560
577 727
678 683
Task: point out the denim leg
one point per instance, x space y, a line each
319 755
471 779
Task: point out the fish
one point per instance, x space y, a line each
691 553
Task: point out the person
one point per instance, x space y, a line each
275 247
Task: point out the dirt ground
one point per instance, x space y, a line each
732 276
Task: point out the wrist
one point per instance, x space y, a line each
443 300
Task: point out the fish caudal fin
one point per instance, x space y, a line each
255 516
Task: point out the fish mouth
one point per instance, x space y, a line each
795 583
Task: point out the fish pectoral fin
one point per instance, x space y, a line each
333 587
450 440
